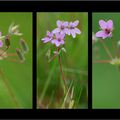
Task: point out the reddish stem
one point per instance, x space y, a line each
102 61
60 63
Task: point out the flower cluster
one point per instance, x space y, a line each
57 36
5 43
106 29
13 30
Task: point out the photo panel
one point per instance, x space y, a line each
106 60
62 60
16 60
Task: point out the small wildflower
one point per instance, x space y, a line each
59 40
14 30
72 28
62 27
1 43
48 38
106 27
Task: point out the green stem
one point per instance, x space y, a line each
106 49
9 89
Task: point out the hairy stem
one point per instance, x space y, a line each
106 49
4 51
61 70
9 89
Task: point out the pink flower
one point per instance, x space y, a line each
1 43
62 27
48 38
106 27
59 40
72 28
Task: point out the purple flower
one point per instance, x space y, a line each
48 38
1 43
59 40
62 27
106 27
72 28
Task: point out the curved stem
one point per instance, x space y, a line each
9 89
106 49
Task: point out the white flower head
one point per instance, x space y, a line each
14 30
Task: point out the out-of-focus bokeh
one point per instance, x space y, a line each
106 77
50 87
17 75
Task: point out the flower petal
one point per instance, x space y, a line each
110 24
62 42
77 31
76 22
66 31
57 43
65 24
1 43
101 34
103 24
73 33
46 39
57 30
59 23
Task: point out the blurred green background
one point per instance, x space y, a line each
19 76
75 61
106 77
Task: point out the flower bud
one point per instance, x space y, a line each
20 54
24 45
7 40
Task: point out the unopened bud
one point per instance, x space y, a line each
20 54
24 45
7 40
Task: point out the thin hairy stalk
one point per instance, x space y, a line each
106 49
4 51
102 61
9 89
52 57
61 70
114 46
11 54
13 60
